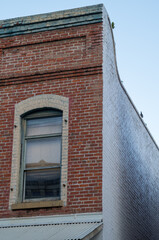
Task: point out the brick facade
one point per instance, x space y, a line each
68 63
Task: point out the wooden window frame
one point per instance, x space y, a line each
36 115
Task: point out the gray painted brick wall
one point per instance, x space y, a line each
130 161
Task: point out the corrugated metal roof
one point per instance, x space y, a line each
49 232
43 229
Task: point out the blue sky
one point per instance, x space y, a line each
137 45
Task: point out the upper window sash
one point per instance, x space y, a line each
44 126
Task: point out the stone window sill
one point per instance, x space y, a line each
40 204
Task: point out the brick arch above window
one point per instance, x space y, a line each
34 103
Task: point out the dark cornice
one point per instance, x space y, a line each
51 21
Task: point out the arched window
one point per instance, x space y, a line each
40 152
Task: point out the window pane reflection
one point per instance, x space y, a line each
42 184
43 152
45 125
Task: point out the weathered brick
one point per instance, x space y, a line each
62 62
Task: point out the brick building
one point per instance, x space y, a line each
77 161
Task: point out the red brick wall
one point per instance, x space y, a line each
65 62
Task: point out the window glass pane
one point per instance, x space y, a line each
42 184
45 125
43 152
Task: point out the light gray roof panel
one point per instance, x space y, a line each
64 227
49 232
55 219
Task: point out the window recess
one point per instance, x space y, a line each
41 155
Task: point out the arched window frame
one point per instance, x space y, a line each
33 104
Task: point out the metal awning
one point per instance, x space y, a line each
65 227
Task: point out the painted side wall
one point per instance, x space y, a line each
130 161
